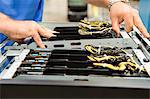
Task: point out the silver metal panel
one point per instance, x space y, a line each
18 60
118 42
143 83
141 58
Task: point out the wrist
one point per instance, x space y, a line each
5 24
113 2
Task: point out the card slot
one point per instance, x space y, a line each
33 65
26 70
36 57
88 71
68 33
71 55
62 55
53 39
59 51
77 37
70 58
69 37
64 38
69 64
75 71
76 33
62 29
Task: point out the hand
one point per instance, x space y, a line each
120 12
19 30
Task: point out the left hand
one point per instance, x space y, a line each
20 30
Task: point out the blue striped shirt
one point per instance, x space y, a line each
145 13
22 10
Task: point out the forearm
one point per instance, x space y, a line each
5 23
100 3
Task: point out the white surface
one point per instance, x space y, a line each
141 56
56 11
18 60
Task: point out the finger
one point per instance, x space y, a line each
139 24
53 31
128 23
49 30
38 40
45 33
27 39
115 26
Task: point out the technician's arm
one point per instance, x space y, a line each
19 30
120 12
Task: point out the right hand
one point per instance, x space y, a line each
120 12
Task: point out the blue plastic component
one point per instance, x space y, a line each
2 38
2 49
145 13
8 60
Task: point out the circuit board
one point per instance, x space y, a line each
106 61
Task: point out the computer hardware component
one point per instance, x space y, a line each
90 61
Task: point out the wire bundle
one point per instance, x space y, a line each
115 59
95 27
